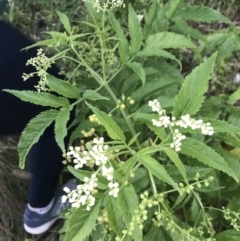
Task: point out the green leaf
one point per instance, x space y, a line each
81 223
139 70
147 119
133 139
62 87
33 132
201 14
157 234
81 174
84 125
135 30
176 160
148 52
113 130
191 94
173 5
93 12
37 98
113 214
127 167
186 29
222 126
60 127
123 43
228 235
206 155
157 170
153 87
65 21
191 171
150 17
165 40
93 95
234 97
128 203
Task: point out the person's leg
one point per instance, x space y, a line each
44 159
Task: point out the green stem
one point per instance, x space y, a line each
96 76
153 183
128 122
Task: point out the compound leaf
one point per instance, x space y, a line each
33 132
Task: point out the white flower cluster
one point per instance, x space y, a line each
83 194
104 5
97 155
42 63
184 122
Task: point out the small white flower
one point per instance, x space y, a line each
64 199
140 17
66 189
114 189
107 172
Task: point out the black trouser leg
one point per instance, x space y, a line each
45 158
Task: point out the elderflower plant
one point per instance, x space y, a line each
184 121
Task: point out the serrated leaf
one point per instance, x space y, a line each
44 99
65 21
157 52
157 170
150 17
33 132
139 70
60 127
84 125
191 94
81 174
186 29
157 234
191 171
234 97
135 30
153 87
195 209
133 139
45 42
228 235
93 12
222 126
127 167
93 95
113 130
201 14
81 223
177 161
62 87
128 203
147 119
123 43
113 214
173 5
165 40
206 155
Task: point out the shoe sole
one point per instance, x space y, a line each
40 229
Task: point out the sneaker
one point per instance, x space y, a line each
35 223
